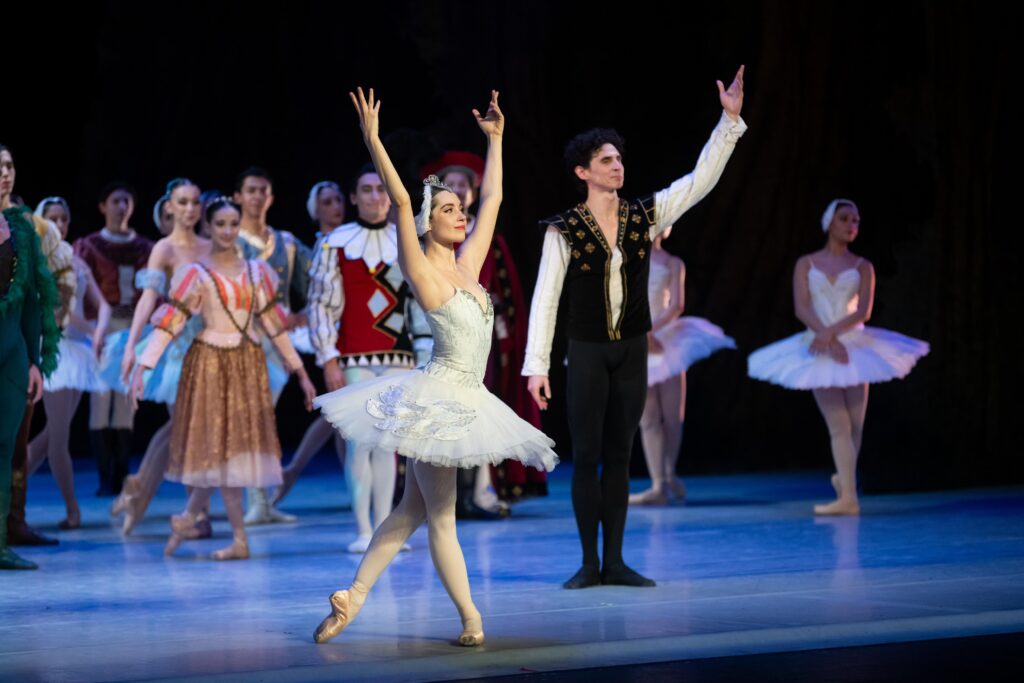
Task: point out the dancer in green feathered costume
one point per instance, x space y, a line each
28 346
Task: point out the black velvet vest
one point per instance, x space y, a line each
590 268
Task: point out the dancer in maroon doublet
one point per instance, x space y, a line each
114 254
355 281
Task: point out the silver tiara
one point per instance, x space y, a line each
435 182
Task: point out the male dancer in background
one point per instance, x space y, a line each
355 281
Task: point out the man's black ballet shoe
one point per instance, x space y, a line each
586 577
624 576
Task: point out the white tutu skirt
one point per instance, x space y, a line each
684 341
876 355
435 421
77 367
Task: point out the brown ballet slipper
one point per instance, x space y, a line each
337 620
238 550
182 527
837 508
648 497
130 490
472 632
133 514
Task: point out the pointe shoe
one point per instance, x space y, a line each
472 632
361 543
182 527
337 620
129 523
133 513
238 550
648 497
130 491
288 478
838 508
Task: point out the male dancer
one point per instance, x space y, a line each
57 256
28 346
600 249
355 279
115 255
254 192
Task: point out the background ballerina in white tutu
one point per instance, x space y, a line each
673 345
837 357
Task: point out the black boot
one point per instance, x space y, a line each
101 441
18 530
8 558
121 458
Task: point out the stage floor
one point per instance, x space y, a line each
742 568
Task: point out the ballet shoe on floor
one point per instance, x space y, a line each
838 508
238 550
472 632
586 577
621 575
337 620
648 497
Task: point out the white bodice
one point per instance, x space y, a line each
462 339
833 301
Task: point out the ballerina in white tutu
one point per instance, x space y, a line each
837 356
674 344
440 416
77 371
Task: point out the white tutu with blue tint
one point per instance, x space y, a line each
441 413
77 367
875 355
161 383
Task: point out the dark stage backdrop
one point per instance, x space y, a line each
904 107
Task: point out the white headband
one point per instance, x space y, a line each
156 211
314 194
423 219
41 206
830 212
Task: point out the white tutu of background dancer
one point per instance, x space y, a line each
674 344
876 355
837 357
684 341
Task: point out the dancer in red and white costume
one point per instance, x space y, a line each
355 281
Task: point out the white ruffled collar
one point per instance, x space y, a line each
373 245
